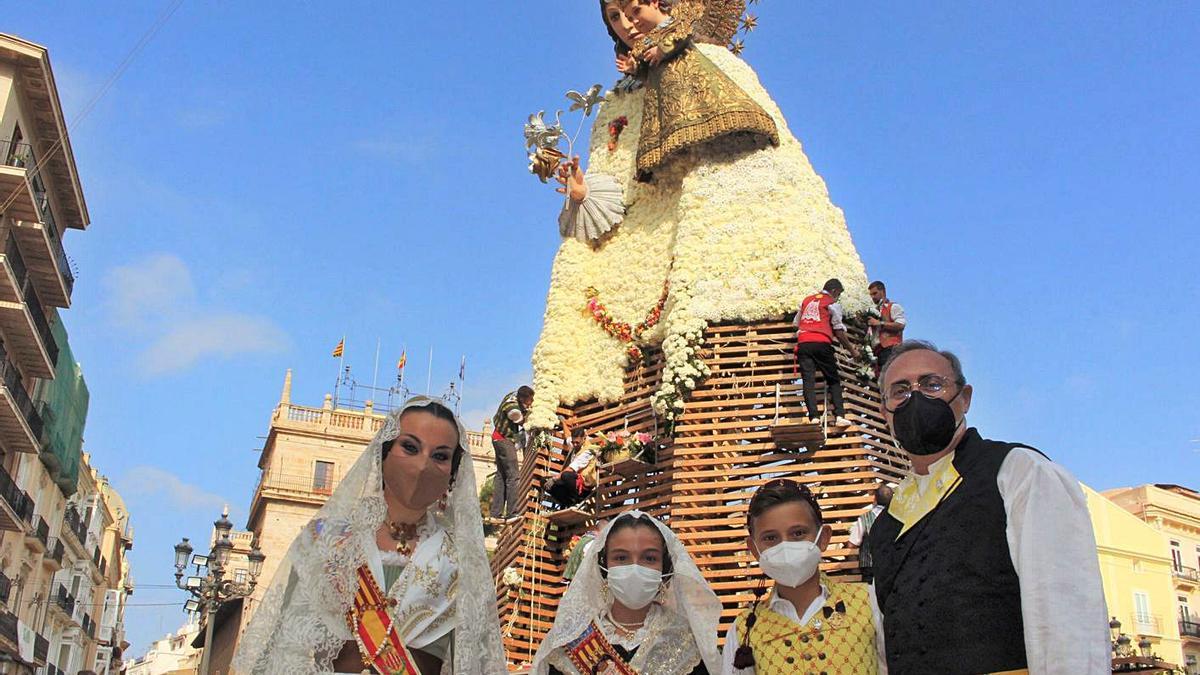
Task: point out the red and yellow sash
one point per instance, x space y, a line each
371 623
591 652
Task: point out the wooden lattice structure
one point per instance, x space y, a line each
739 429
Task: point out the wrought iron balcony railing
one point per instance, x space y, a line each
19 155
16 389
17 499
1186 573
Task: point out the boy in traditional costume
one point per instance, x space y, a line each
637 605
391 574
809 622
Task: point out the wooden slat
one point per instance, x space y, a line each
734 434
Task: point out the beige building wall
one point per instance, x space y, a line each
1174 512
35 553
171 654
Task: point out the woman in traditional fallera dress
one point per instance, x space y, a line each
391 573
732 225
638 604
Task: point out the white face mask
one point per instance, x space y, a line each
791 563
633 585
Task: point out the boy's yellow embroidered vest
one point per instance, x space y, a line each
839 639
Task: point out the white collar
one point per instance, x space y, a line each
785 607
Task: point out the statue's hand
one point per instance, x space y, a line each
626 64
654 56
571 178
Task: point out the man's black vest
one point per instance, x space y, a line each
950 597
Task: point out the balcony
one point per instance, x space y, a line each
16 161
1147 624
54 554
1189 630
96 569
35 223
5 588
10 627
1185 576
318 487
64 601
49 267
15 506
41 650
37 538
26 328
78 529
20 424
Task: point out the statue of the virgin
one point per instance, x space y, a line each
698 206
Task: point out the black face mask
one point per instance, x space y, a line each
923 425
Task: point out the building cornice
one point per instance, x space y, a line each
37 85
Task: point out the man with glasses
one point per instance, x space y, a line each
985 561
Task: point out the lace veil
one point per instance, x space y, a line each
688 595
300 626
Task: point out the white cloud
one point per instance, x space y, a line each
155 300
151 481
144 291
224 335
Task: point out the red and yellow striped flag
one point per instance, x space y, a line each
339 349
403 360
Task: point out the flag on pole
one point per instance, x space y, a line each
403 360
339 349
462 368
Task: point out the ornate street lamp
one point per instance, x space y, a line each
256 558
1123 646
1114 628
1144 646
210 588
183 551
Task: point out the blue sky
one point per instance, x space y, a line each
265 178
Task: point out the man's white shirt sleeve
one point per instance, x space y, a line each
1054 553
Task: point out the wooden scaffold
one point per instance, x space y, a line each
740 428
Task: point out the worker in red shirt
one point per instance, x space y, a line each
887 331
818 323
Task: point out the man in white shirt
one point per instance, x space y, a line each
860 528
984 561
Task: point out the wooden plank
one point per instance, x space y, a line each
728 442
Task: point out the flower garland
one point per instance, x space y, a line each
618 445
684 370
622 330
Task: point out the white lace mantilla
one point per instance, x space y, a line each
300 626
680 631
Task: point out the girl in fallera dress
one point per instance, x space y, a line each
638 604
391 573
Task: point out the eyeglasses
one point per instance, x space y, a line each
931 386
